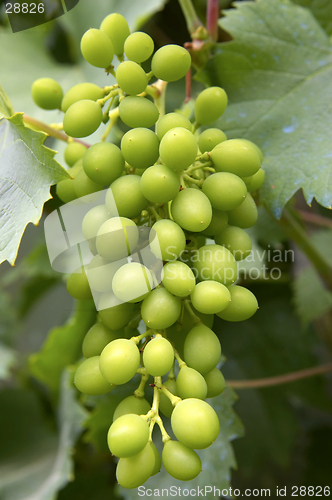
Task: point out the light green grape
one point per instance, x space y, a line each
158 356
136 111
236 240
47 93
103 163
195 423
160 184
192 210
172 120
218 222
160 309
140 147
81 91
165 405
82 118
167 240
119 361
245 215
127 195
117 238
210 138
178 278
215 262
224 190
131 78
132 472
74 151
132 282
97 49
210 297
210 105
191 384
243 305
157 464
100 273
178 148
181 462
202 349
138 47
93 220
96 339
170 63
65 189
116 28
255 181
84 186
112 314
131 404
78 285
237 157
128 435
215 383
252 144
89 380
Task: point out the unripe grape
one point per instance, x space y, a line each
191 384
165 405
112 314
178 148
81 91
210 297
132 472
103 163
167 240
236 240
215 383
157 464
119 361
116 28
224 190
181 462
160 309
132 282
82 118
78 285
140 147
138 47
126 193
96 339
243 305
170 63
136 111
128 435
192 210
100 273
89 380
47 93
236 156
202 349
131 404
117 238
252 144
178 278
160 184
131 78
255 181
217 263
210 138
93 220
172 120
65 189
245 215
84 186
74 151
97 48
158 356
210 105
195 423
218 222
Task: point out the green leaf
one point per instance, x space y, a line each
321 9
27 170
35 461
6 109
62 347
277 73
7 361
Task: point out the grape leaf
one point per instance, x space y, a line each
277 73
6 109
321 9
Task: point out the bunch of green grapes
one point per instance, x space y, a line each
191 186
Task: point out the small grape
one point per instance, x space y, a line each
103 163
215 383
84 186
191 384
100 273
47 93
158 356
74 151
178 278
218 222
224 190
131 404
128 435
178 148
160 184
210 138
96 339
93 220
119 361
132 282
125 192
172 120
217 263
181 462
210 105
140 147
243 305
192 210
245 215
97 48
157 465
160 309
236 240
131 78
89 380
82 118
202 349
136 111
252 144
65 189
170 63
167 240
165 405
116 28
236 156
81 91
255 181
138 47
112 314
78 285
210 297
117 238
132 472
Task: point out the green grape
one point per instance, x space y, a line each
210 105
131 78
82 118
224 190
160 309
181 462
78 285
84 186
96 339
97 48
252 144
119 361
245 215
132 282
112 314
47 93
210 297
210 138
81 91
93 220
170 63
126 193
202 349
167 240
157 464
100 273
140 147
132 472
191 384
128 435
103 163
165 405
158 356
138 47
217 263
172 120
178 148
237 157
74 151
243 305
178 278
117 238
192 210
131 404
160 184
236 240
255 181
65 189
218 222
195 423
116 28
136 111
89 380
215 383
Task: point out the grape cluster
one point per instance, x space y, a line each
185 184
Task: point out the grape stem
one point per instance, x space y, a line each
190 15
113 117
182 364
204 165
194 181
173 399
115 91
137 339
51 131
154 212
140 392
318 220
212 12
195 318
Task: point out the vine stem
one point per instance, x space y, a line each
190 15
212 12
318 220
280 379
51 131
